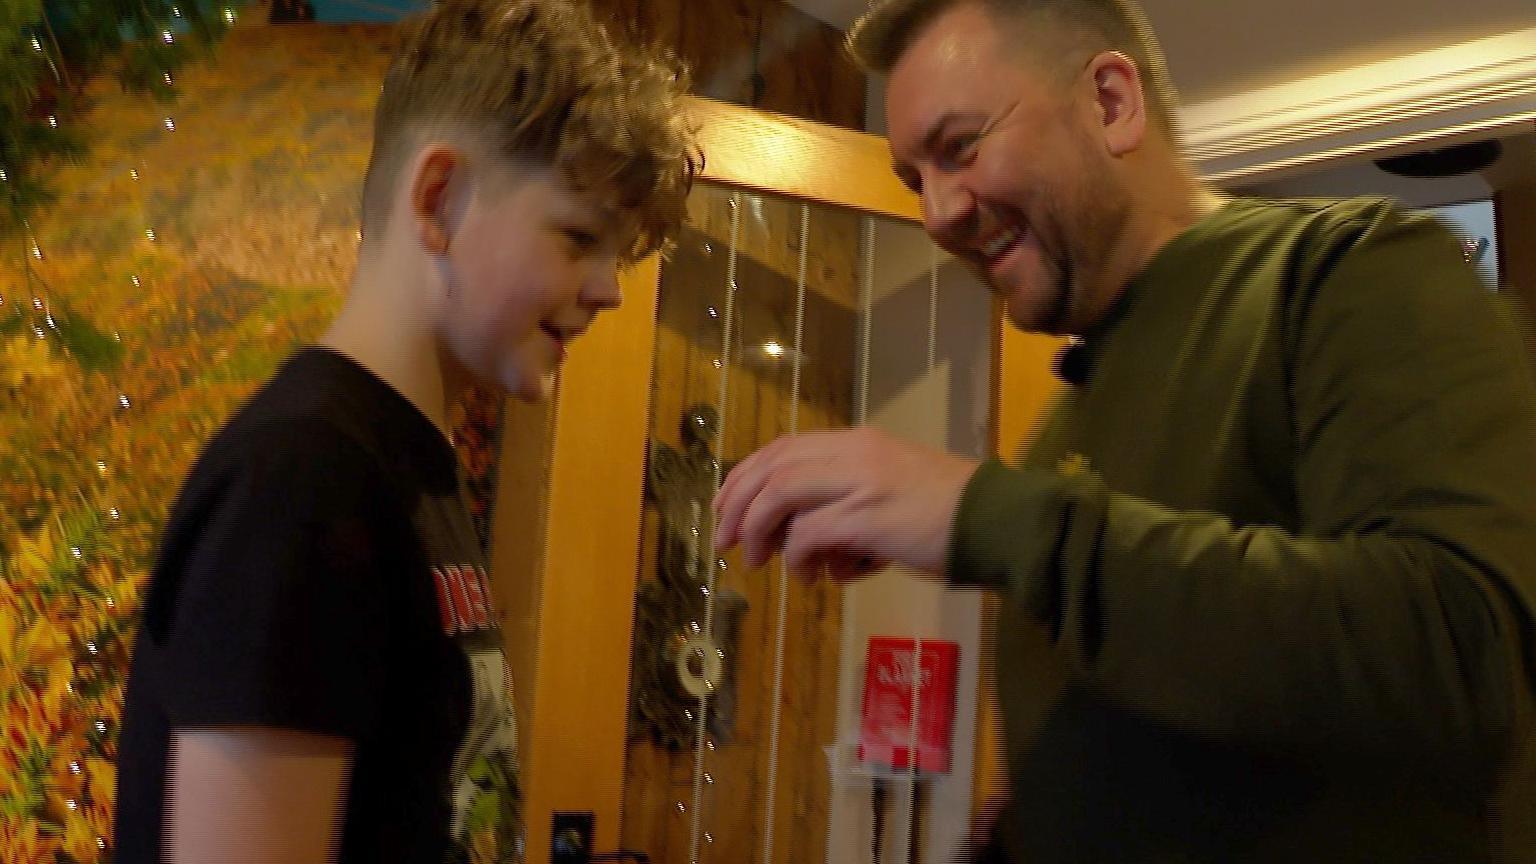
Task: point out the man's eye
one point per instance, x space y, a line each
958 151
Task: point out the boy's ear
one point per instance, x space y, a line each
437 167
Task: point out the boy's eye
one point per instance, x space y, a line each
583 240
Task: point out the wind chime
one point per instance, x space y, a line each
684 663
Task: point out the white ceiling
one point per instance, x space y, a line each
1218 48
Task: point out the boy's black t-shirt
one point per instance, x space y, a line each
319 572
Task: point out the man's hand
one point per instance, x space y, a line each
848 501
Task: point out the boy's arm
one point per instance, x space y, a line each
255 795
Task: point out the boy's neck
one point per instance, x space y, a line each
383 328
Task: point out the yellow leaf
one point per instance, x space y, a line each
33 554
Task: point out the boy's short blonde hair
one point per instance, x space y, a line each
538 83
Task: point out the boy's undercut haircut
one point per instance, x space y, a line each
538 83
1058 34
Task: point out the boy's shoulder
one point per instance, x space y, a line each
321 422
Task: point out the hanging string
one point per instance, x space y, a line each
914 741
781 621
866 306
728 324
848 641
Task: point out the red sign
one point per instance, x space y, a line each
886 738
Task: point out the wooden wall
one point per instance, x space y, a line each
798 61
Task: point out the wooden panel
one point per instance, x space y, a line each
517 561
574 743
1026 385
773 153
762 53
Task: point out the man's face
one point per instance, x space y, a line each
530 265
1013 178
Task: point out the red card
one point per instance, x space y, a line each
885 738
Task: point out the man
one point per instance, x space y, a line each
1268 573
319 676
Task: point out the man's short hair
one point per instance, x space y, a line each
539 84
1059 34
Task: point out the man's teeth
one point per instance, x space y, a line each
1000 242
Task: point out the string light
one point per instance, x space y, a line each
166 37
37 45
133 173
170 125
229 15
53 122
150 234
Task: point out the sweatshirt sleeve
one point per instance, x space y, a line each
1397 618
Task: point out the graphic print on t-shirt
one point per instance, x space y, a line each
484 787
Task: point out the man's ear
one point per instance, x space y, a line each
438 171
1119 100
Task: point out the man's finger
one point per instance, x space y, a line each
784 495
740 487
745 483
824 538
738 490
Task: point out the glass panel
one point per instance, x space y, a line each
739 677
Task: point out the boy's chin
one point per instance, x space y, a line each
532 390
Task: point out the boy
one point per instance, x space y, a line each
319 675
